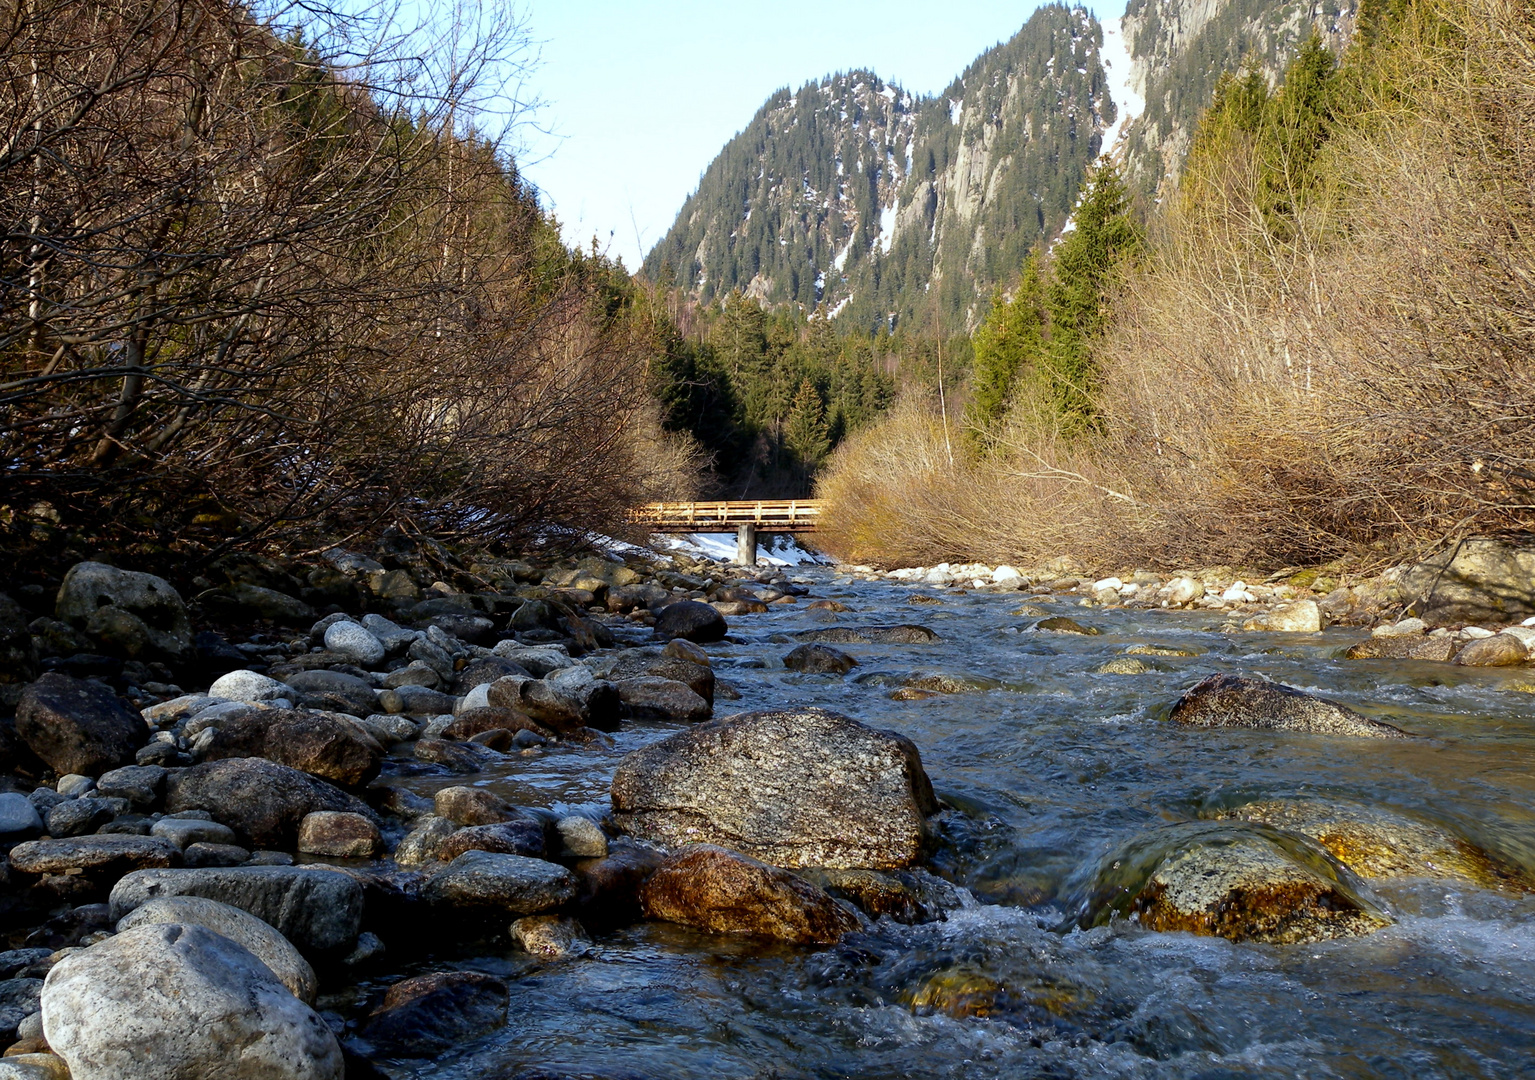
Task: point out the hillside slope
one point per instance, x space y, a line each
853 196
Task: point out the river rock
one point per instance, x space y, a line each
523 835
1404 647
334 691
110 855
1474 581
76 817
640 664
328 745
870 635
339 835
242 602
795 788
662 699
1499 650
1247 889
1060 624
565 701
1294 617
78 726
243 928
465 806
417 701
550 937
250 687
472 722
508 883
183 832
18 652
318 910
428 1014
710 888
19 819
1233 701
142 785
353 641
423 843
1377 844
1182 591
537 660
691 620
581 838
815 659
262 801
180 1002
89 586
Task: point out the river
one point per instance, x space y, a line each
1054 769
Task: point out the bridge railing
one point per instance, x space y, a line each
769 515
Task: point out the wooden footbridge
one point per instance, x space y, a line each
746 518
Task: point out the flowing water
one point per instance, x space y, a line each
1056 769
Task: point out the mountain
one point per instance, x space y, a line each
858 199
1180 48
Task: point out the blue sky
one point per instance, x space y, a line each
642 94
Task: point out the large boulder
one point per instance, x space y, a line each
799 787
152 600
328 745
180 1002
691 620
318 910
709 888
1230 883
1403 647
1499 650
1475 581
1234 702
78 726
110 855
241 927
262 801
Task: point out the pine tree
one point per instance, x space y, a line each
1084 270
806 432
1010 340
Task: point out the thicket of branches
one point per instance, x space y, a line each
1327 347
263 282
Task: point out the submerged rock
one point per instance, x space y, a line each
1377 844
180 1002
816 659
870 635
794 788
1060 624
428 1014
709 888
1236 702
1226 882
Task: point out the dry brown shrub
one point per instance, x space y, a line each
1365 381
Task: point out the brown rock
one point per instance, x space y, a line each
712 889
468 806
339 834
1500 650
327 745
1235 702
522 836
1421 647
78 726
472 722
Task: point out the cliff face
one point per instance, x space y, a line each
858 199
1180 48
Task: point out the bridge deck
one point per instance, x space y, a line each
767 515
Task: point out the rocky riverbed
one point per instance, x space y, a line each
391 815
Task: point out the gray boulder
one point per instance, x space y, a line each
18 817
180 1002
355 642
89 586
662 699
503 883
1234 702
318 910
691 620
335 691
110 854
78 726
262 801
1476 581
794 788
241 927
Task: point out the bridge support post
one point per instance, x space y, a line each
746 545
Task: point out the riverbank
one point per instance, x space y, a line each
469 812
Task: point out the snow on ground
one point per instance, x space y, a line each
1116 59
721 547
887 216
